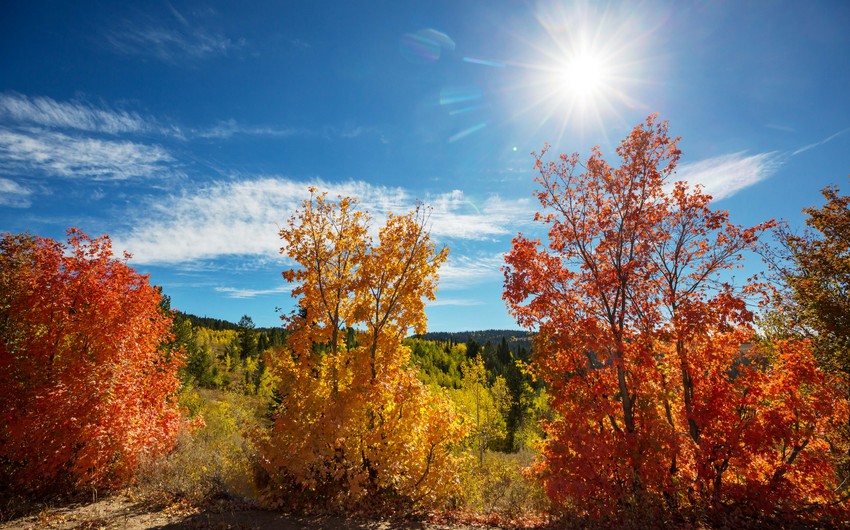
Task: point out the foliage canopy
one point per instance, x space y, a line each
662 398
354 422
88 392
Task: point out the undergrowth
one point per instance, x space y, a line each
499 490
216 460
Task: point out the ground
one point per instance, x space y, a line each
121 513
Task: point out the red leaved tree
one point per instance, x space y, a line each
86 391
646 344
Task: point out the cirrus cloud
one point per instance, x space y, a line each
244 217
726 175
48 112
171 45
241 293
13 194
53 154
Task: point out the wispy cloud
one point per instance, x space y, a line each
457 302
20 112
724 176
819 143
43 137
13 194
171 45
50 113
239 218
234 292
53 154
457 216
781 127
464 271
350 131
230 128
243 218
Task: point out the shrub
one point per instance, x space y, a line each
88 391
499 488
216 460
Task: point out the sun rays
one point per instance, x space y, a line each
585 67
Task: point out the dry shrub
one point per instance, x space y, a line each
499 487
216 460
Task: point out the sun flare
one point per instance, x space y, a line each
583 75
586 68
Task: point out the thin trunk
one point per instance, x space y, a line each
628 403
717 483
334 356
688 391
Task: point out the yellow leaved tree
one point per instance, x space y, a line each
354 424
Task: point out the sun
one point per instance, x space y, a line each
587 67
583 76
579 82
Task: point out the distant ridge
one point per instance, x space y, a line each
494 336
208 322
482 336
219 324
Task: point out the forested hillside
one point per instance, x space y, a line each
493 336
224 355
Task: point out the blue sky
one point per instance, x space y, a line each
189 131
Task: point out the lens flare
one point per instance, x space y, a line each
425 46
584 76
586 67
466 132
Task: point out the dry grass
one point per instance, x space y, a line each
217 460
499 489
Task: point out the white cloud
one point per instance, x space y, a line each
243 218
233 219
350 131
13 194
724 176
820 142
20 112
56 154
234 292
456 302
463 271
456 216
48 112
228 128
171 45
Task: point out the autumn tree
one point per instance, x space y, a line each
815 267
813 293
485 404
645 340
87 392
355 424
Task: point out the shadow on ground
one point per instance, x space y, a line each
119 512
263 520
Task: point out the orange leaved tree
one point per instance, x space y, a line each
354 423
86 391
663 401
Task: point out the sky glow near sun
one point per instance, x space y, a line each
583 75
587 67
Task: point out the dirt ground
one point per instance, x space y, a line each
121 513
